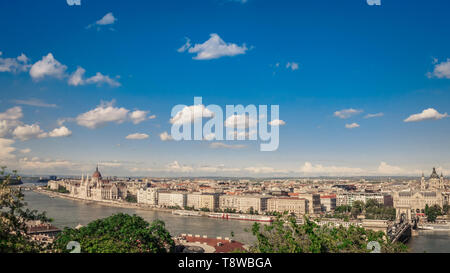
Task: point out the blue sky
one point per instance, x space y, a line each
346 60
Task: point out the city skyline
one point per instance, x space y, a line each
364 96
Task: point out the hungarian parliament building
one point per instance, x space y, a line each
92 188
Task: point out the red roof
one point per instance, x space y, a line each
225 247
329 196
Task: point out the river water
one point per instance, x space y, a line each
70 213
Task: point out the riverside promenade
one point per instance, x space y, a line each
105 202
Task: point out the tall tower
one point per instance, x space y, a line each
434 180
423 185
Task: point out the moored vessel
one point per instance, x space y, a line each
244 217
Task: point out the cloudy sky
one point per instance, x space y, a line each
362 89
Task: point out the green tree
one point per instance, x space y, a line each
445 209
284 235
251 210
433 212
371 203
131 198
13 218
357 208
120 233
343 209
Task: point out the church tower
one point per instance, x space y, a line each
423 185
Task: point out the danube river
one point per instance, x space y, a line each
70 213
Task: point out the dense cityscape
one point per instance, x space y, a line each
259 131
399 207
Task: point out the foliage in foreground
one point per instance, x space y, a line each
13 218
120 233
284 235
371 210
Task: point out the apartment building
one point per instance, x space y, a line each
328 202
313 202
172 199
298 206
202 201
148 196
349 198
243 203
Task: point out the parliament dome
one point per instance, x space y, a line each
97 174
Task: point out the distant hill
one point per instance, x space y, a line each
13 181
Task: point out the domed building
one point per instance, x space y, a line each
432 192
97 175
97 188
435 182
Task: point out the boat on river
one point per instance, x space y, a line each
244 217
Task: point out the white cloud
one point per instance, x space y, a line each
25 151
319 169
48 66
14 65
441 70
165 136
264 170
106 112
100 79
217 145
35 102
186 46
47 165
26 132
6 150
215 169
137 136
292 65
352 125
277 122
7 127
377 115
177 167
114 164
77 79
426 114
9 120
213 48
60 132
14 113
385 168
240 121
347 113
108 19
189 113
138 116
23 58
11 126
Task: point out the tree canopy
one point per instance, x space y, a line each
13 218
120 233
284 235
